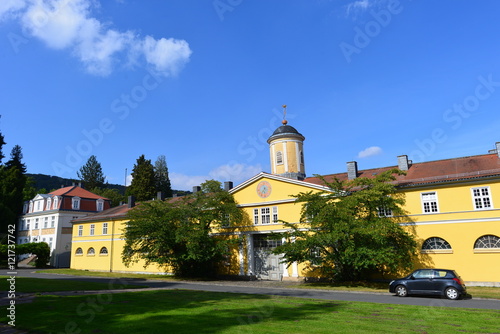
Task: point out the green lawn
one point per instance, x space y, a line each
28 285
180 311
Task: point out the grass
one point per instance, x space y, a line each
32 285
180 311
474 291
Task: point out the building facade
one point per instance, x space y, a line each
453 209
47 217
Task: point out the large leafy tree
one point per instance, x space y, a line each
347 236
91 173
178 233
162 181
143 180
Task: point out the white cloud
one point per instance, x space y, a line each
8 7
369 152
360 6
67 24
230 172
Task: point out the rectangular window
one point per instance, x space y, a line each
80 230
429 202
384 212
481 197
105 228
46 222
256 216
265 216
36 223
53 222
275 214
28 224
92 229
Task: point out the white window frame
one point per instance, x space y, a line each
279 158
46 222
104 228
92 229
265 215
53 222
49 202
477 194
75 203
256 216
80 230
274 215
56 201
429 202
100 205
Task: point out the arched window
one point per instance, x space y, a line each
103 251
487 241
279 157
79 251
91 251
435 243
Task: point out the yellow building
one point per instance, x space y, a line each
97 242
451 202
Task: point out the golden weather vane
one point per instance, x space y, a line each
284 115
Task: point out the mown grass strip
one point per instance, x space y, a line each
180 311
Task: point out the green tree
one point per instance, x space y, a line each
113 194
178 233
12 184
143 180
348 238
91 174
162 181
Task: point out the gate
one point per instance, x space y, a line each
267 265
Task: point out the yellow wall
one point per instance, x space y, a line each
114 243
290 149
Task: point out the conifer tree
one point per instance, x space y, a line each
91 174
143 186
162 181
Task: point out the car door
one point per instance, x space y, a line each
421 282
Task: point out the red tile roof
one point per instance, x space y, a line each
76 191
463 168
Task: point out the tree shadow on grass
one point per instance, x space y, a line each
171 311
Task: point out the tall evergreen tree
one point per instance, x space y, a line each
2 143
162 181
13 182
143 185
91 174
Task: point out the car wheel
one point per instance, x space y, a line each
451 293
401 291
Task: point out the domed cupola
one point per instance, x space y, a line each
286 152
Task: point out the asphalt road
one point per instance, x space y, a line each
258 287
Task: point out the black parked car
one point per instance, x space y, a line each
442 282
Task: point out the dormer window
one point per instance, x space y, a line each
49 202
25 207
56 202
279 158
100 204
75 203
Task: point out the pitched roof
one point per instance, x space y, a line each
76 191
464 168
116 212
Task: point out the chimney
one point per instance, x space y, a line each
160 196
131 202
497 144
403 162
196 189
228 185
352 170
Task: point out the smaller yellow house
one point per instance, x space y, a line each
98 242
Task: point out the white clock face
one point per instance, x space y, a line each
264 189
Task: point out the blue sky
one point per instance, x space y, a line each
203 82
